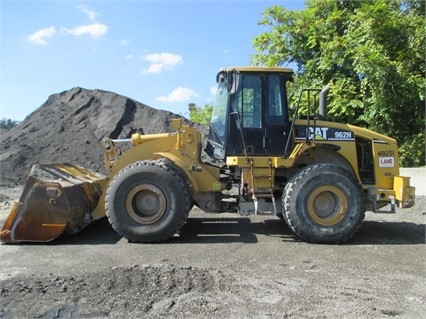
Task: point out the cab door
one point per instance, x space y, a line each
261 105
250 101
277 125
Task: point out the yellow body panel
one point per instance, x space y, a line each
388 186
386 164
258 172
182 148
404 193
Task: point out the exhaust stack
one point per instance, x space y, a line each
323 101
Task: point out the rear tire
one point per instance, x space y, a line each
323 204
147 201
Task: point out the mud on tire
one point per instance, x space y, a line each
324 204
147 201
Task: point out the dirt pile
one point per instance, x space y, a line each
69 126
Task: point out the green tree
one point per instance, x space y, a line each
7 123
200 115
371 52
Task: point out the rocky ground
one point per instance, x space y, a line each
219 266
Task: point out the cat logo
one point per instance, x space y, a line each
320 133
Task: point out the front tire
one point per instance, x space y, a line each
147 201
323 204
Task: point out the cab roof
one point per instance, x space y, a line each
257 69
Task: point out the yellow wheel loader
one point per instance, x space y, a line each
319 177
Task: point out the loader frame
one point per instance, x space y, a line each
318 176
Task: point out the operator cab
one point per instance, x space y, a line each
250 115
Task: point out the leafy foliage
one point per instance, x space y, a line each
200 115
371 52
7 123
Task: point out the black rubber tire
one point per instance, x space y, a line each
183 177
281 216
147 201
323 204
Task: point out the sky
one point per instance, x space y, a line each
162 53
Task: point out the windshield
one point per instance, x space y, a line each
218 119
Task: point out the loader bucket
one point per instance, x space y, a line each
58 198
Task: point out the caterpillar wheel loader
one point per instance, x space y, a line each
318 176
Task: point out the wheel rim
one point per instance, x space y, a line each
145 204
327 205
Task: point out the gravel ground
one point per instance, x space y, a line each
219 266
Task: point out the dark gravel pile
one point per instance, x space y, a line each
69 126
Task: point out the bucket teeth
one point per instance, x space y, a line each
58 198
